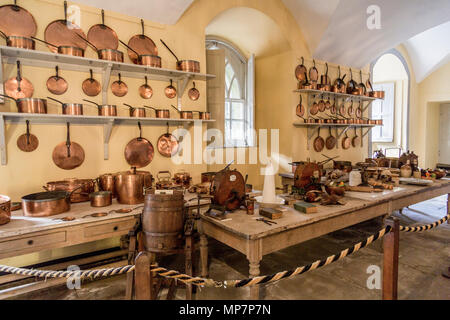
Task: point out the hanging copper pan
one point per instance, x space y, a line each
139 151
319 143
19 42
325 79
63 33
56 84
356 141
342 109
351 84
170 91
321 105
331 141
300 110
145 91
90 86
358 111
119 88
350 110
102 36
18 87
300 72
346 142
361 86
68 155
27 142
314 109
16 21
167 144
142 45
313 73
193 93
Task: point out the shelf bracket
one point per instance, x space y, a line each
365 134
182 85
343 131
366 107
3 141
106 75
107 129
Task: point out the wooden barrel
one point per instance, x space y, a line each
163 221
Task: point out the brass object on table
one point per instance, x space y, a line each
129 188
307 175
68 155
90 86
56 84
65 36
19 87
182 178
101 198
27 142
139 151
5 209
148 178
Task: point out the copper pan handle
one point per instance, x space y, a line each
128 47
98 106
68 140
175 108
165 45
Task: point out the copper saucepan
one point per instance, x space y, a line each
161 113
81 187
105 110
68 50
106 54
184 114
203 115
101 199
145 59
29 105
136 112
19 42
73 109
184 65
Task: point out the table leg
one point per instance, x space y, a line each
254 257
448 206
390 260
203 255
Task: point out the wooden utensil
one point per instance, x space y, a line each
331 141
319 143
139 151
119 88
145 91
68 155
170 91
90 86
19 87
27 142
193 93
56 84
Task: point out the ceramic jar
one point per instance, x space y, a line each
406 170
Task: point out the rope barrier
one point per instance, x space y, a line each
425 227
202 282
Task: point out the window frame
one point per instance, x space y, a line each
382 138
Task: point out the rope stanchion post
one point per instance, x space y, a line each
448 207
390 259
142 277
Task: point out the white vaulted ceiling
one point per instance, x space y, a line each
336 30
161 11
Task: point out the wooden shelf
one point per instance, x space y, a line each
107 122
334 94
41 59
301 124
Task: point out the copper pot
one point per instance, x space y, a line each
186 115
106 182
150 60
188 66
130 188
203 115
29 105
74 109
148 178
79 188
110 55
101 199
71 51
5 209
161 113
105 110
377 94
182 178
21 42
208 176
136 112
46 204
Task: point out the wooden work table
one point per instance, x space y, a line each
256 239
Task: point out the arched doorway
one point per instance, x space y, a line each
391 74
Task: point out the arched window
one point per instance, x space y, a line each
239 88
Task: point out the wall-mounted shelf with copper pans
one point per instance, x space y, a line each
338 128
105 68
330 94
107 122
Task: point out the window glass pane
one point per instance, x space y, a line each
227 131
229 74
235 90
227 110
238 111
384 109
237 130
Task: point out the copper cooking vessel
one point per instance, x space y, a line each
5 209
110 55
106 182
182 178
161 113
105 110
130 188
377 94
29 105
203 115
68 50
80 188
46 204
150 60
148 178
19 42
184 114
208 176
136 112
184 65
74 109
101 199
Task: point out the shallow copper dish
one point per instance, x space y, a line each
16 21
167 145
139 151
143 45
102 36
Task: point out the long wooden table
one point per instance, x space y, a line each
255 239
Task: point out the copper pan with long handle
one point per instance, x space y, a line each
142 46
139 151
17 22
106 110
73 109
167 144
29 105
19 42
19 87
56 84
68 155
184 65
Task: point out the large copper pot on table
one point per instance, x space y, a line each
80 188
106 182
129 187
46 204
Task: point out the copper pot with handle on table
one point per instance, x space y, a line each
129 187
80 188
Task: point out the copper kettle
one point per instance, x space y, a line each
129 187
